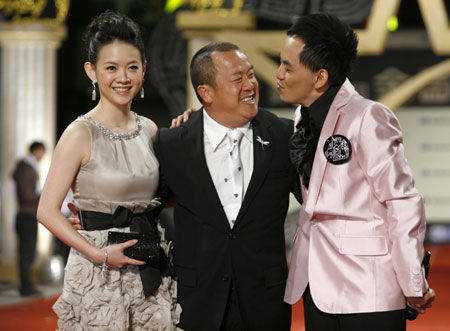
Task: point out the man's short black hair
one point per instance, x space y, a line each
202 67
329 44
36 145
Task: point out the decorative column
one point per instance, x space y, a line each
28 112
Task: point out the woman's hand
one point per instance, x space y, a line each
116 257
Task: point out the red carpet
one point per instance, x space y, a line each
37 314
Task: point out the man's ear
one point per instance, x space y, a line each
321 79
90 71
144 68
206 93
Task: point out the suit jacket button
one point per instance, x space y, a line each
232 236
225 278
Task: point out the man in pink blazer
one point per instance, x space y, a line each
359 243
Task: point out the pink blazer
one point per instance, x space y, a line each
359 241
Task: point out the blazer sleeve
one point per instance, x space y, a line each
163 192
295 188
381 155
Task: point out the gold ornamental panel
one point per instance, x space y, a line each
30 11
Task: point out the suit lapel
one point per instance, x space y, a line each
195 151
320 162
328 129
261 163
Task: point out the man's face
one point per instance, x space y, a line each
234 99
38 153
295 82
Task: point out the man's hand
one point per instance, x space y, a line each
176 122
74 219
421 303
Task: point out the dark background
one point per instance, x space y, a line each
74 88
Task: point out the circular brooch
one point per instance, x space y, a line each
337 149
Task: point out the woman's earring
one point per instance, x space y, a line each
94 92
142 92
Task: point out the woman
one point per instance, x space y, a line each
107 157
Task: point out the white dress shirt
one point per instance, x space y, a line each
217 148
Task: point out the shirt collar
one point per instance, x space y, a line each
318 110
216 132
31 160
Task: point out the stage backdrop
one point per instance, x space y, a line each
427 144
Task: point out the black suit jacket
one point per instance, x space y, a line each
26 179
208 254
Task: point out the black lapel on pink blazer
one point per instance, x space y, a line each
210 208
262 155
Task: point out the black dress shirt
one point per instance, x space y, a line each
303 143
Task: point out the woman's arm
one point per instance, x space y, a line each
71 152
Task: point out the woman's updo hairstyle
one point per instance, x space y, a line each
108 27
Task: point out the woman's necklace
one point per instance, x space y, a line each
117 136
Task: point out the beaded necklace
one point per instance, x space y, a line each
117 136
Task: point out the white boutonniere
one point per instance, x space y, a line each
262 142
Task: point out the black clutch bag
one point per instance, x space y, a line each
146 249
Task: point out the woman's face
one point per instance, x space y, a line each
119 72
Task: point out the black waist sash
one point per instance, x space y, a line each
142 223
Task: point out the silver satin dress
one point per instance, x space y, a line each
122 170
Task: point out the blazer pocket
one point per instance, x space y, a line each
363 245
186 277
275 276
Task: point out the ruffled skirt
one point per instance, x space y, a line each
91 302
